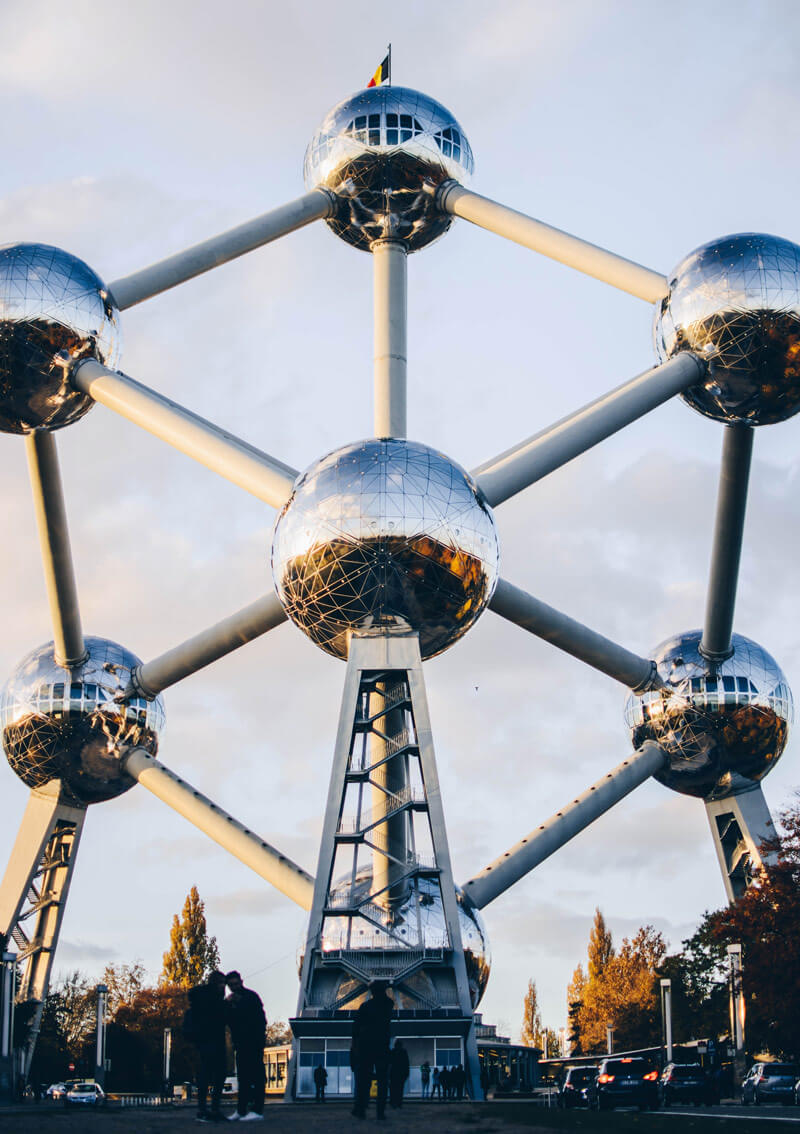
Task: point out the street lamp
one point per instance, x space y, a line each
610 1037
666 1015
100 1049
737 1005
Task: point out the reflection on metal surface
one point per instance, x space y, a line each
382 533
416 924
64 724
54 310
722 725
736 302
384 152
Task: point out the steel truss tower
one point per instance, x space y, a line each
385 902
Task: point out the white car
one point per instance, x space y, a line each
56 1090
85 1094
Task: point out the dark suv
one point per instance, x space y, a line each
685 1082
577 1087
626 1081
770 1082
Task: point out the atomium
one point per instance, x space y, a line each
385 533
736 303
383 153
63 723
417 922
54 311
723 726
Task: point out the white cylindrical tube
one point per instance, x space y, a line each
391 348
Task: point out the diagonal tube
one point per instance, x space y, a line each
265 477
737 450
149 679
573 637
564 825
280 871
59 572
200 258
543 453
390 309
553 242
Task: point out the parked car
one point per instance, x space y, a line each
85 1094
56 1090
685 1082
625 1081
576 1087
770 1082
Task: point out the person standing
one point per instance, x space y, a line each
248 1026
437 1084
398 1073
320 1081
204 1025
369 1053
425 1076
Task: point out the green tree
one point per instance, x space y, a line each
531 1018
601 947
192 954
576 990
123 982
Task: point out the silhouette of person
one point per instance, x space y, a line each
206 1028
320 1081
425 1076
459 1081
398 1073
248 1026
437 1083
369 1053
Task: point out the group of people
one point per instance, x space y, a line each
444 1083
224 1002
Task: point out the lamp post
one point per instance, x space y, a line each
610 1037
737 1006
100 1049
8 988
666 1015
167 1060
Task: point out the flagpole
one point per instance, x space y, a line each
390 65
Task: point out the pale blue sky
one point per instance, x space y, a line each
132 130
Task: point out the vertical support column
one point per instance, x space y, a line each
33 895
740 825
390 263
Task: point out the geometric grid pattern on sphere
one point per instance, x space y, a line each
385 533
64 724
383 153
53 310
736 302
723 725
418 922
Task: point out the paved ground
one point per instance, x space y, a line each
416 1118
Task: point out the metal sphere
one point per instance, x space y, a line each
60 723
723 725
385 533
383 153
736 302
417 922
54 310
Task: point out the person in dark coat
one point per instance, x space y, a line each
248 1026
459 1081
369 1053
399 1069
205 1027
320 1081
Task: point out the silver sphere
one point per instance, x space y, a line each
64 724
54 310
425 903
385 533
736 303
722 725
383 153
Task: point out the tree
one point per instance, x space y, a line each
123 982
531 1018
576 990
192 955
278 1033
601 947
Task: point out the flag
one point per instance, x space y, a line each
383 74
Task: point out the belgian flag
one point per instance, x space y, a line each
383 74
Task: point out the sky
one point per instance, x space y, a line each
135 130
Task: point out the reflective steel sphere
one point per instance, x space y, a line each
422 907
54 310
383 153
723 725
64 724
736 302
385 533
